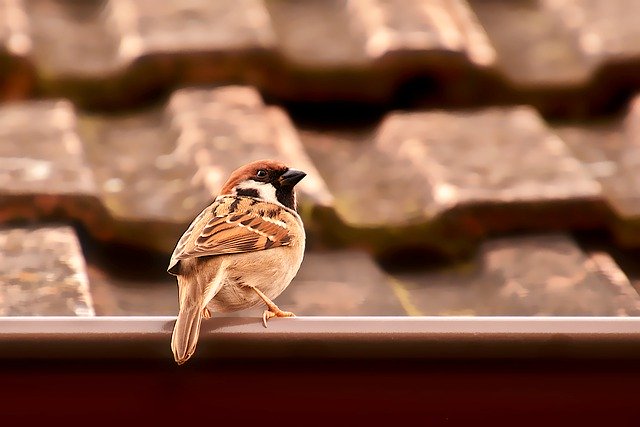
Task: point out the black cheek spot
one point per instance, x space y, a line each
247 192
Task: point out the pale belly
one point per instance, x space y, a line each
270 274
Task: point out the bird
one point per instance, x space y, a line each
240 251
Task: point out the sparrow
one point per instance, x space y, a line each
242 250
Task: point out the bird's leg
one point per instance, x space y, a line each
272 309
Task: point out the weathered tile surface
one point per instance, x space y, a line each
141 178
533 47
559 43
611 151
464 168
331 283
42 272
605 31
370 189
493 155
222 129
106 53
175 27
115 295
113 53
43 170
41 149
299 26
149 192
156 170
339 283
535 275
137 173
74 39
362 31
366 50
414 26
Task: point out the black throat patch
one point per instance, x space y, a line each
286 196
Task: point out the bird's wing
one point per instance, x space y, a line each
233 225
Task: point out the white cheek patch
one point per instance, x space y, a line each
266 191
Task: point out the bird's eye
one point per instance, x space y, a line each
261 173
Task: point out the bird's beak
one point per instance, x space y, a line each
291 177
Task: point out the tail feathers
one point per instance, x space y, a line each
194 290
185 333
187 328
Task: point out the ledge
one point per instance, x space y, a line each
310 369
326 337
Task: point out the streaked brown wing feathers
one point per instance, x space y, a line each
228 227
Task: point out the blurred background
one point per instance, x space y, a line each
464 157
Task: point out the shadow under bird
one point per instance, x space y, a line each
242 250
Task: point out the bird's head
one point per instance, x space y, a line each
268 180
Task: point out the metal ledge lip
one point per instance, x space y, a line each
325 337
571 325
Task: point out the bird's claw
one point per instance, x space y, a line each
268 314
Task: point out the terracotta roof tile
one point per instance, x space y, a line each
219 130
114 53
43 169
525 276
533 46
73 39
339 283
611 152
43 273
409 174
172 27
414 26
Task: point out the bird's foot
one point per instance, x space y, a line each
272 309
274 312
206 313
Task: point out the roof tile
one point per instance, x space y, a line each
533 47
221 129
178 27
392 26
543 275
611 151
43 169
461 168
341 283
74 39
42 271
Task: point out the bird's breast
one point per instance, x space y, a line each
270 271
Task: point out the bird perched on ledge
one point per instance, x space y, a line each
242 250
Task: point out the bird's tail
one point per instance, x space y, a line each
187 328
